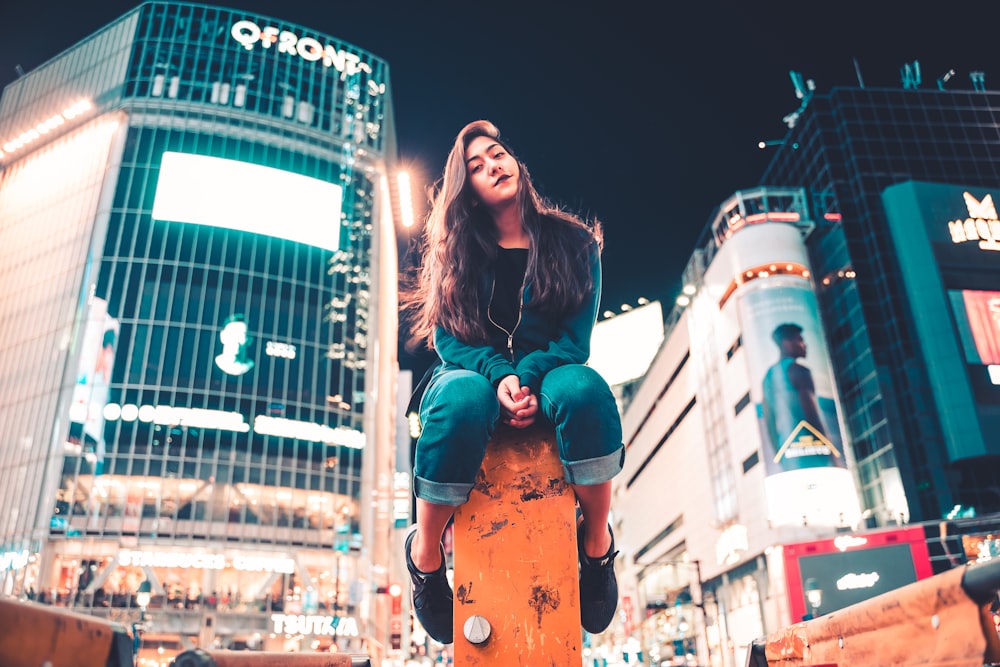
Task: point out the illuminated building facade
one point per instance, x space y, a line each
197 267
908 287
875 233
736 432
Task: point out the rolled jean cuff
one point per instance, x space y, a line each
441 493
596 470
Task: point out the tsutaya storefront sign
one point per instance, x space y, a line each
249 34
318 626
982 225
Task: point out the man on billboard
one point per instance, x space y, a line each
790 410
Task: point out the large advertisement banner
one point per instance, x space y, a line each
790 382
978 316
93 383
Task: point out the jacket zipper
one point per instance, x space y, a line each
520 309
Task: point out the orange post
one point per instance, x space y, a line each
517 591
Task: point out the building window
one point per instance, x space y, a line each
742 403
735 346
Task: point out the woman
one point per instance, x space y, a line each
508 296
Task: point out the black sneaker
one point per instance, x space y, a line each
598 586
433 601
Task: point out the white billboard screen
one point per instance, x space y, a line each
623 346
204 190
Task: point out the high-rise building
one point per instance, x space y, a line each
908 273
197 313
868 256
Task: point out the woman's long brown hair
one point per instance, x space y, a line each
459 244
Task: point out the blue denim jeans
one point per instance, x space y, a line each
459 413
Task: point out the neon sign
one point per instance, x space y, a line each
853 581
170 559
982 225
845 542
13 560
204 561
329 626
283 350
249 34
235 340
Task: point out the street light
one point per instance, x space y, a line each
814 595
142 596
405 198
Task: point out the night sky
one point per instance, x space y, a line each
644 114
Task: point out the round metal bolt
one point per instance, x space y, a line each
840 642
477 630
935 621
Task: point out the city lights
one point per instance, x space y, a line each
290 428
46 126
168 415
405 198
234 421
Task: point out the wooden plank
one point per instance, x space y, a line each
515 557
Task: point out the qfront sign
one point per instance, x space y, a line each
249 34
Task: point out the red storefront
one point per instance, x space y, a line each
830 574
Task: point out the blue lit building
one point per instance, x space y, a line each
197 267
908 274
874 233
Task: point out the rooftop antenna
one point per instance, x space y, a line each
804 91
910 74
945 78
857 71
978 81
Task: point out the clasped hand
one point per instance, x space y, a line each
518 405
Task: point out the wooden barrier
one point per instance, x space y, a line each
517 590
202 658
942 621
35 634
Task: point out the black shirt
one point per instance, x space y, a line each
511 265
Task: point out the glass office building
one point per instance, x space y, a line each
197 267
902 183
